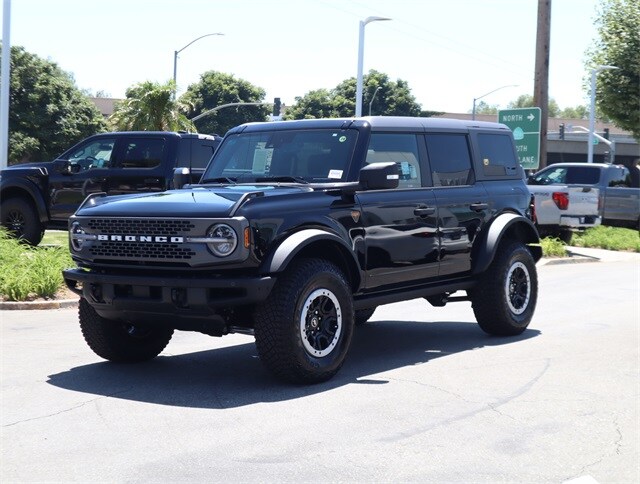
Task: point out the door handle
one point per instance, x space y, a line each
424 211
479 207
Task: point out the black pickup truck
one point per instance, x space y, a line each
299 229
36 196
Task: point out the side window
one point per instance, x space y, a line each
143 153
551 176
619 178
96 154
497 155
449 159
195 152
398 148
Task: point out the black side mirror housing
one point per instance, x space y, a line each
380 176
181 177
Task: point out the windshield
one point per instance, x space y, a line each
309 155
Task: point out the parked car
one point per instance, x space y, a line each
618 187
37 196
298 230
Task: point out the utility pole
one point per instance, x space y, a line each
541 83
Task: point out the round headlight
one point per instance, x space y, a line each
75 231
224 240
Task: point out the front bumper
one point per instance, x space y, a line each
197 304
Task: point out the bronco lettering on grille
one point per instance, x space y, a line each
163 239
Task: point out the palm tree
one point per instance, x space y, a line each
151 106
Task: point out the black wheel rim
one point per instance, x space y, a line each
15 222
320 323
518 288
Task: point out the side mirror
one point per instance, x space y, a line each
380 176
71 168
181 177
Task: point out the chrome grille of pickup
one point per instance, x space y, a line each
140 226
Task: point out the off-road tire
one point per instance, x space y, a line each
21 219
119 342
363 315
505 298
303 331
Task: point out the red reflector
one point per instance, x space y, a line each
561 199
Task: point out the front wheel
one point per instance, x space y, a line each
303 331
121 342
505 298
20 218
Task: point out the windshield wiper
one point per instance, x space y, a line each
282 178
220 179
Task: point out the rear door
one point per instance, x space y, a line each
139 166
463 204
401 236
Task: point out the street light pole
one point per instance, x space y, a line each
176 52
592 110
363 23
373 97
473 111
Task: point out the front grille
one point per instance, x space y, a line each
140 226
140 251
136 250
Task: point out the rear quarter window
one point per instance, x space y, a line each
497 155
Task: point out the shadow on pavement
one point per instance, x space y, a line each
234 377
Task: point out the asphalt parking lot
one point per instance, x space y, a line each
425 396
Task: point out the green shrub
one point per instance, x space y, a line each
27 272
552 247
611 238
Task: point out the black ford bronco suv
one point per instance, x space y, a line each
37 196
298 230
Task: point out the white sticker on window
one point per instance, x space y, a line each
335 174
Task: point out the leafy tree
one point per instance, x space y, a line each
386 98
216 89
484 108
577 112
618 91
526 101
150 106
47 112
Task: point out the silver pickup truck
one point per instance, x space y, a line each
618 187
560 210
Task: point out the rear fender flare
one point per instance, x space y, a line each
509 225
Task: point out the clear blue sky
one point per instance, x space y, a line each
449 51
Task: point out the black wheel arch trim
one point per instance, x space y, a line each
506 224
28 190
290 247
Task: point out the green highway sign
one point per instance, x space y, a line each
525 124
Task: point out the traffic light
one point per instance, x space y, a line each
276 106
561 130
606 133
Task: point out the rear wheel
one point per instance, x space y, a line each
303 331
505 297
121 342
21 219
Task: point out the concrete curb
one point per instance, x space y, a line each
22 305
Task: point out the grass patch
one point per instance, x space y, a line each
56 237
610 238
30 272
552 247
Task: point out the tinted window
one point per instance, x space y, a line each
401 149
497 155
143 153
561 175
95 154
196 153
449 159
619 177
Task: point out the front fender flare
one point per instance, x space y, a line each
510 225
280 258
29 190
